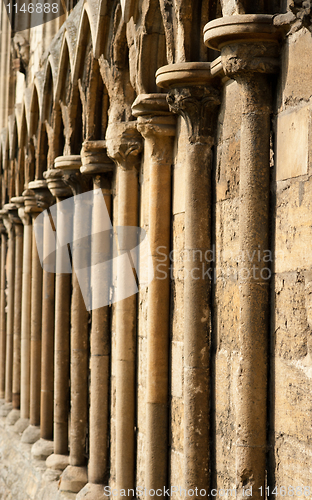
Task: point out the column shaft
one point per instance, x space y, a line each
10 315
100 341
79 369
157 126
251 398
3 314
19 230
61 346
26 310
126 339
197 290
35 333
47 358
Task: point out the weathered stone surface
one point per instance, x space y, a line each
12 417
34 483
31 434
73 479
293 144
42 449
57 462
91 492
21 425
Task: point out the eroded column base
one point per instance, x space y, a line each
57 462
31 434
42 449
13 417
73 479
21 425
91 492
5 409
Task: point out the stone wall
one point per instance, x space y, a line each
78 97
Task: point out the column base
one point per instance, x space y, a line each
13 417
73 479
2 401
57 462
21 425
31 434
5 409
42 449
91 492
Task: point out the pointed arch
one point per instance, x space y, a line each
48 93
34 112
22 144
65 70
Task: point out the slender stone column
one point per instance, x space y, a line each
60 459
23 422
44 447
10 273
37 198
96 163
124 146
74 476
16 382
193 95
4 238
157 126
250 62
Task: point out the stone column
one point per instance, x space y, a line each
36 198
157 126
192 94
23 422
124 146
96 164
74 476
44 446
4 239
250 60
10 273
16 382
60 458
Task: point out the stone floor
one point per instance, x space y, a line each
22 477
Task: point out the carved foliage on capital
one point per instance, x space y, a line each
302 10
77 182
244 58
198 106
124 144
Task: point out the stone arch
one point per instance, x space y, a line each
22 145
12 157
64 77
82 77
4 166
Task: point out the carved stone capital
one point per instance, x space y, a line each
302 11
94 158
43 196
198 106
248 43
23 218
56 184
124 143
248 58
153 116
192 93
8 224
72 177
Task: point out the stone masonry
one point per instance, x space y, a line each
181 128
